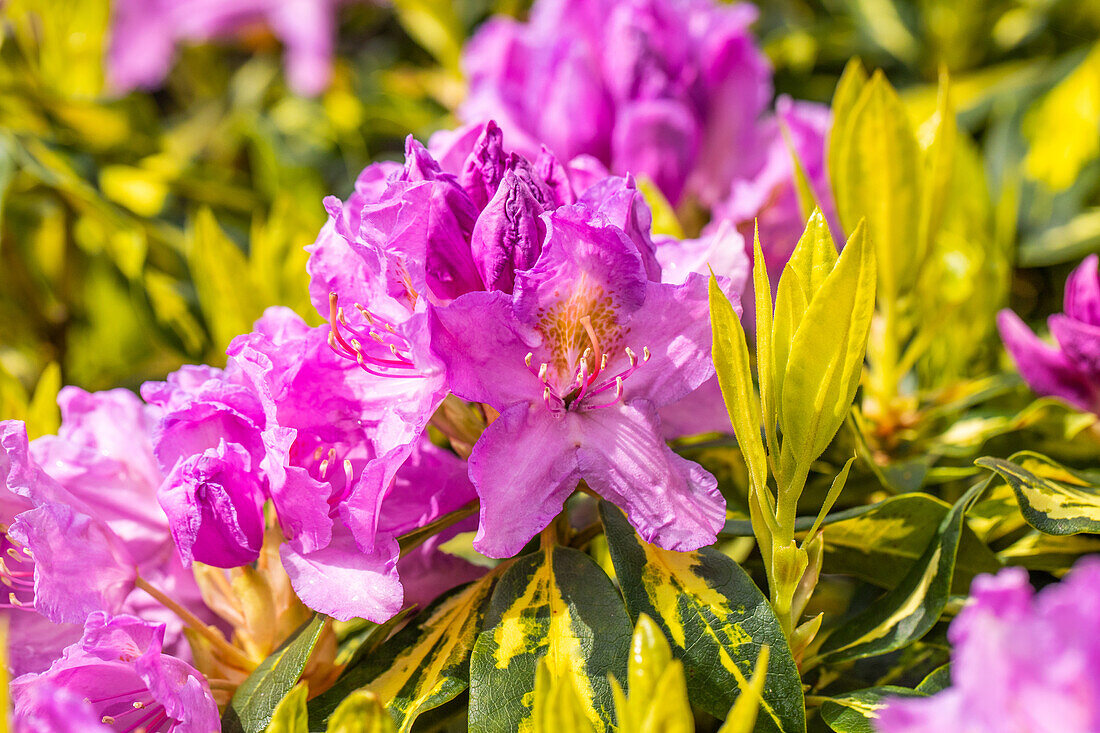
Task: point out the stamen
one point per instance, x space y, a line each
615 399
318 453
583 378
586 322
107 720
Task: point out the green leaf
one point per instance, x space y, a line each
877 178
43 415
1052 498
906 613
848 90
554 604
826 357
938 164
716 619
254 702
424 665
665 221
938 679
742 716
290 714
361 712
853 712
881 545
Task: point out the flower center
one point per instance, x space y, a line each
590 385
379 350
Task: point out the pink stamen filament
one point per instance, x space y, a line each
353 349
618 396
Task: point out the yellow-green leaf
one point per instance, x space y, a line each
229 298
361 712
848 90
731 362
743 714
826 358
715 619
554 604
658 698
814 257
43 415
557 707
877 179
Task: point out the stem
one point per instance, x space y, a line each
420 535
195 623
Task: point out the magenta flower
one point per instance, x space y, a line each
215 505
47 708
1070 370
1017 657
144 34
119 671
81 519
577 361
665 88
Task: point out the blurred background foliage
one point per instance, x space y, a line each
141 232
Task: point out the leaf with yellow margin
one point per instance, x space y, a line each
1053 499
908 611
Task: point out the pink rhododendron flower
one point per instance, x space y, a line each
675 90
1022 662
293 421
82 520
576 361
118 673
145 33
1070 370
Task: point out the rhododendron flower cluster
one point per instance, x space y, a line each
675 90
1022 661
145 33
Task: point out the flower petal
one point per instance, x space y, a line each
671 501
1046 369
524 467
344 582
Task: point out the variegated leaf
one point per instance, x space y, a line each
854 711
554 604
716 620
423 666
1052 498
906 613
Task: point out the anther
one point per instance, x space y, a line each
138 704
527 359
645 353
107 720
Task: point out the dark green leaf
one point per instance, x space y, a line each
853 712
906 613
1052 498
252 705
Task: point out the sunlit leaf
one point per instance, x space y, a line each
554 604
716 619
1053 499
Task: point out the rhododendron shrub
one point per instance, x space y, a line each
644 399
